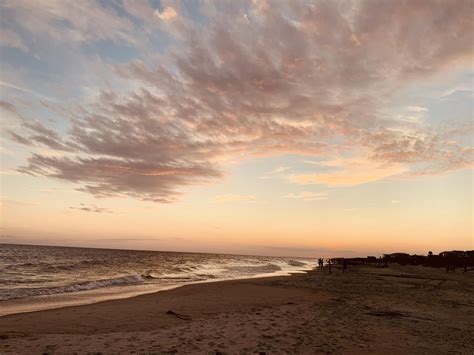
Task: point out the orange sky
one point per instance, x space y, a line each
278 128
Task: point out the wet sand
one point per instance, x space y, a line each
396 310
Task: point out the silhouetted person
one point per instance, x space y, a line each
320 263
330 266
344 266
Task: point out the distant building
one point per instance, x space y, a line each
401 258
455 253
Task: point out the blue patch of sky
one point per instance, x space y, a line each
116 6
441 104
194 13
21 60
156 4
110 50
457 106
47 73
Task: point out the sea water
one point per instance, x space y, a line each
42 277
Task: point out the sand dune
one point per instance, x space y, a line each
368 310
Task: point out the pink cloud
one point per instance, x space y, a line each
349 172
167 14
286 78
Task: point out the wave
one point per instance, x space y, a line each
34 271
47 267
255 269
296 263
207 276
151 275
177 272
80 286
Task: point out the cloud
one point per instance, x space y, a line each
91 208
14 203
41 136
10 172
234 198
311 162
22 89
9 38
274 172
105 177
9 118
7 106
307 196
167 14
226 87
417 109
349 172
432 152
66 21
280 169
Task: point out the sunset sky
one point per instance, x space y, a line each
310 128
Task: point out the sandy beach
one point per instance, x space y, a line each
367 310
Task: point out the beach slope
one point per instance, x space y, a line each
367 310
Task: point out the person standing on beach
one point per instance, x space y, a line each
330 266
344 266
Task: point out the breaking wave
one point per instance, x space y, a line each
296 263
27 271
254 269
80 286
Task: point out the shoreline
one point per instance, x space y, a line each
87 297
395 310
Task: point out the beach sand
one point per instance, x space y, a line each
395 310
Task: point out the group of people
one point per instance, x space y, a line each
330 264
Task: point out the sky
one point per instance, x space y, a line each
305 128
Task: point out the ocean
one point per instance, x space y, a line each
42 277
